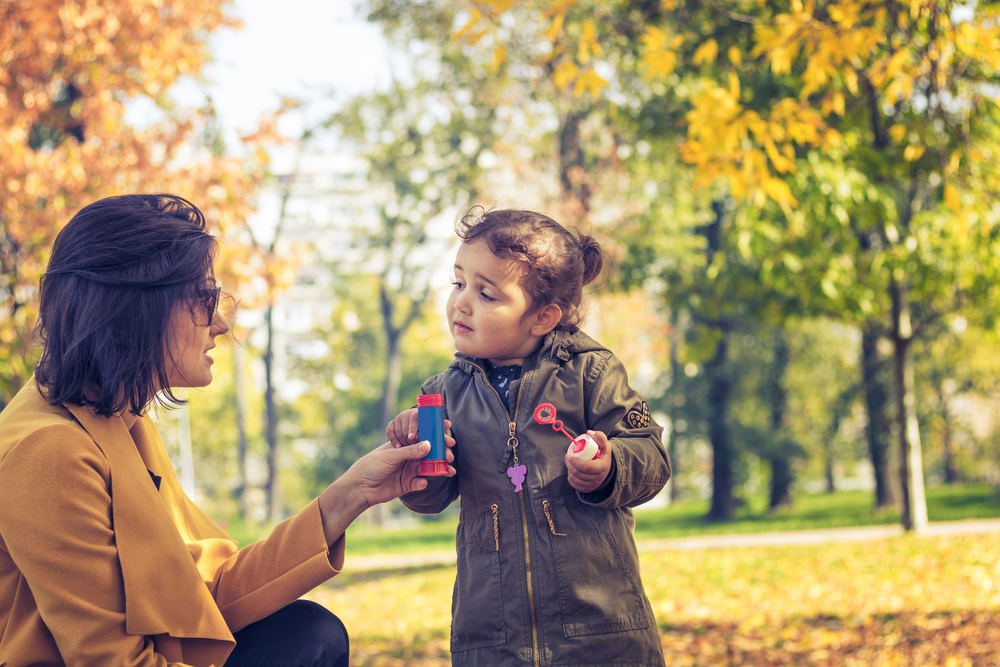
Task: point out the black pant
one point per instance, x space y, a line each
303 634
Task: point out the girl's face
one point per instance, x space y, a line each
191 337
487 305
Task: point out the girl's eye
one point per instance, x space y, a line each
486 297
457 285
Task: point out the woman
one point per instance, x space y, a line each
103 559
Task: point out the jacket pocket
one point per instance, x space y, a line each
598 585
477 604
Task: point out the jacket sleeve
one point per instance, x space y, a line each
267 575
56 527
440 492
640 463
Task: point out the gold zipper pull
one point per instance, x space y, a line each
552 524
496 524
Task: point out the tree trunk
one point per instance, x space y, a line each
876 397
828 463
911 462
840 410
242 409
950 465
782 477
675 400
573 173
393 375
719 389
782 474
273 486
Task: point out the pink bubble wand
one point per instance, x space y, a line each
582 447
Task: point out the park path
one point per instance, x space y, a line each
861 533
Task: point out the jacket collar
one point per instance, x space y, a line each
558 346
164 593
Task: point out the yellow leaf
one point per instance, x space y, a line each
951 197
913 153
833 104
653 39
555 28
564 74
499 57
588 43
473 38
851 80
778 190
735 55
589 81
706 53
896 133
558 7
657 59
467 28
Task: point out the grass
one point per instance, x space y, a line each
815 511
902 600
809 511
897 601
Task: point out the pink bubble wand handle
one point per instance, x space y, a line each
546 414
583 447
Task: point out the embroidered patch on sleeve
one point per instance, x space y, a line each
638 417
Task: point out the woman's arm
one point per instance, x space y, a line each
309 548
57 531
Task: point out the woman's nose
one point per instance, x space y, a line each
220 325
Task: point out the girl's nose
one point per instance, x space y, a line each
462 304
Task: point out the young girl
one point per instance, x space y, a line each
548 572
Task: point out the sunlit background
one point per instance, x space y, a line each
799 205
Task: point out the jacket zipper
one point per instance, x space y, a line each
512 441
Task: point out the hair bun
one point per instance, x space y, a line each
593 258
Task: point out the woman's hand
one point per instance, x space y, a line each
587 476
377 477
388 472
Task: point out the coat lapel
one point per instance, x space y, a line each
164 593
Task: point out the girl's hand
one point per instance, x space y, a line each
587 476
402 432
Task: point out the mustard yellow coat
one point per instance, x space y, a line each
98 567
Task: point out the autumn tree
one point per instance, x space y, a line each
423 138
899 94
68 71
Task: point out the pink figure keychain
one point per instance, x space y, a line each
516 474
583 447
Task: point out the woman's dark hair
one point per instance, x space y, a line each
118 269
558 263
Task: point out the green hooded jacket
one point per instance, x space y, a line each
547 575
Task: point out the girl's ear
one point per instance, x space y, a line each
546 319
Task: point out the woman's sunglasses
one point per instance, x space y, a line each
209 299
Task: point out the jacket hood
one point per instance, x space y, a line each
557 344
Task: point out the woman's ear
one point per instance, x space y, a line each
545 319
